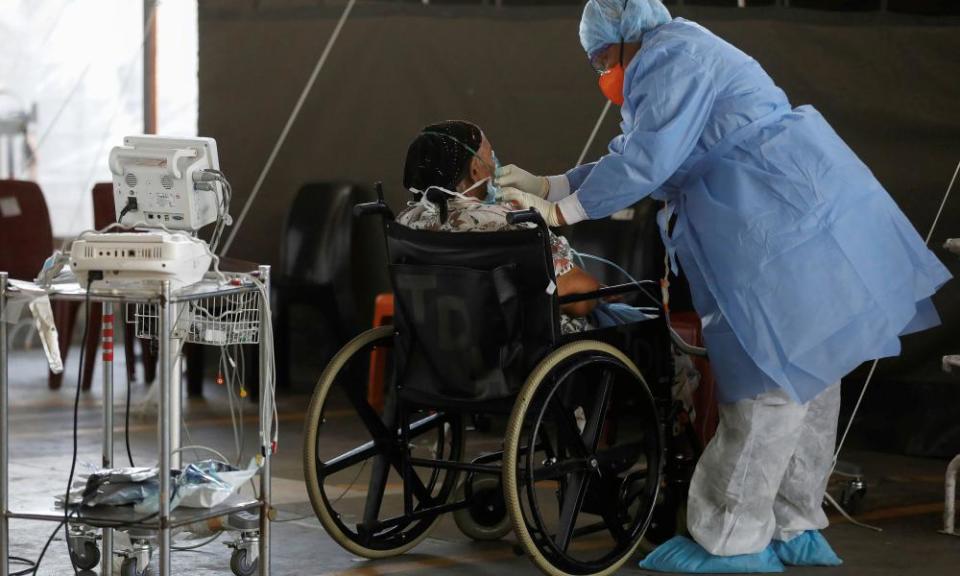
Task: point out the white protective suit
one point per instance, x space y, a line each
764 473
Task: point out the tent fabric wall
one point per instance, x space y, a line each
888 83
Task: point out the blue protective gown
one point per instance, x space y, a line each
800 264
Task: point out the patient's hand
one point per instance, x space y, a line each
576 281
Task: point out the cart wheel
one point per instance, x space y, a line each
486 518
851 498
239 564
86 559
129 568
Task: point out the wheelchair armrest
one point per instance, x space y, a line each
373 208
528 215
601 293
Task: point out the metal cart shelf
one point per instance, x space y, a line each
167 324
112 517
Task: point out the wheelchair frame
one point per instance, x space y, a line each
669 456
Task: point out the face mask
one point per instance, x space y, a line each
493 191
611 81
430 206
611 84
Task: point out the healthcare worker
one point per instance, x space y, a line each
800 265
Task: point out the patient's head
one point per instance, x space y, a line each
454 155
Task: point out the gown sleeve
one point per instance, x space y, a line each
672 96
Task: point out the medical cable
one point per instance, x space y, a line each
873 366
866 384
627 275
43 552
850 519
31 565
286 129
76 411
593 134
126 415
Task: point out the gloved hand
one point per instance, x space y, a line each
516 177
523 201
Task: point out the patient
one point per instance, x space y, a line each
457 157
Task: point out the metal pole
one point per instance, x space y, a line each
164 360
950 491
149 67
108 339
176 387
265 352
4 435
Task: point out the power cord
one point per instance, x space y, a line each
126 416
131 206
94 275
34 566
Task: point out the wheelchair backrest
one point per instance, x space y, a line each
474 311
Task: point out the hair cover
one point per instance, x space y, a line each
440 155
606 22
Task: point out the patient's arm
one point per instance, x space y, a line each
576 281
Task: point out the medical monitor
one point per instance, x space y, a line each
156 182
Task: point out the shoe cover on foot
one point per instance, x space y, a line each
807 549
680 554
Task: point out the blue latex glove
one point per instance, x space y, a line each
807 549
606 314
680 554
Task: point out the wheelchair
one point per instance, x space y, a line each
594 457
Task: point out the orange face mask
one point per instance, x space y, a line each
611 84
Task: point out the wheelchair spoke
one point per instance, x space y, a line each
567 427
570 509
610 511
559 470
375 490
347 459
377 428
598 413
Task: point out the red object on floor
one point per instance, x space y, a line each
382 316
687 325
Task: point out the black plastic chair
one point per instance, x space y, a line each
329 262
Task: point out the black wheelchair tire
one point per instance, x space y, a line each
418 530
512 447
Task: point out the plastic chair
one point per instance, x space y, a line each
104 215
329 262
382 316
26 240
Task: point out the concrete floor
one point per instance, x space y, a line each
904 499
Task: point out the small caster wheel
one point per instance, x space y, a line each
87 557
129 568
486 518
851 498
240 566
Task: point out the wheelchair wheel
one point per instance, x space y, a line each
583 460
487 517
353 453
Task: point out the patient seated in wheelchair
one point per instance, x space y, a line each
456 157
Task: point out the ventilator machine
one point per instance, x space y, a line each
164 190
